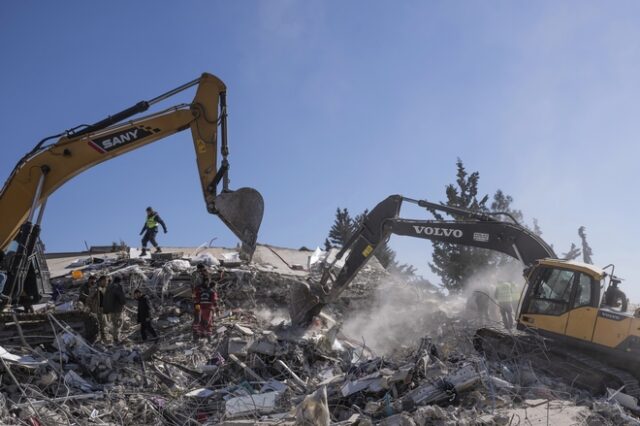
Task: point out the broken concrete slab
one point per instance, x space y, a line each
263 403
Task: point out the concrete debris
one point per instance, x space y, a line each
262 403
256 369
22 360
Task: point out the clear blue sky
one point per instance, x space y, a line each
340 103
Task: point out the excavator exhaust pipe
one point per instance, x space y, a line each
242 210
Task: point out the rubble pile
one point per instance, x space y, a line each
257 369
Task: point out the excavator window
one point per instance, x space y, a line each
584 292
8 254
551 291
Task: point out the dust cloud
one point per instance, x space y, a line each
400 313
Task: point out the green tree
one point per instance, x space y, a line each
342 228
453 263
586 249
573 253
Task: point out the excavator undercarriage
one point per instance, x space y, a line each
581 368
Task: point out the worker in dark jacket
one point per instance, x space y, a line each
86 289
199 278
113 305
144 316
95 303
150 230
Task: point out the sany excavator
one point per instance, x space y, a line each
25 280
564 311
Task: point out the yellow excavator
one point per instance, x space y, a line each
24 278
568 324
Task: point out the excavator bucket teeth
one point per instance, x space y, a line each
304 304
241 210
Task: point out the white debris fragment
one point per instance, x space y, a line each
205 258
233 257
262 403
200 393
23 360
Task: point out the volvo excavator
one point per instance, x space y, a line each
566 325
24 277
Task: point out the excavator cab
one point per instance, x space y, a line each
565 300
561 297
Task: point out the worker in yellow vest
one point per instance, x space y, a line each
150 230
504 298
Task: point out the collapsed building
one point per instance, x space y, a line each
387 352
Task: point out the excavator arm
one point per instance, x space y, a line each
51 166
471 229
47 167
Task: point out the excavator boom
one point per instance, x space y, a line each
46 168
473 229
593 342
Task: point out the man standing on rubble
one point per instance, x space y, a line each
87 288
114 301
144 316
150 230
504 299
208 303
198 278
95 302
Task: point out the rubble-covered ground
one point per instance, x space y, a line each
387 353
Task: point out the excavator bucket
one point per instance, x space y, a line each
304 303
241 210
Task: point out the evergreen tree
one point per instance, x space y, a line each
453 263
586 249
342 228
386 256
502 204
536 227
357 221
573 253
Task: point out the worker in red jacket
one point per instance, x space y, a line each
208 304
205 300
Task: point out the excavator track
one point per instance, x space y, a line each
574 367
37 328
